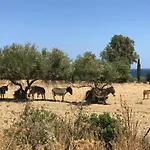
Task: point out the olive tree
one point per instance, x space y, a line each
57 64
110 73
120 47
21 62
123 70
88 67
121 53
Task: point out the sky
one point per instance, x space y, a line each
76 26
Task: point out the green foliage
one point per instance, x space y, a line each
117 71
104 124
37 127
148 76
27 62
20 62
132 79
120 47
121 54
109 73
57 63
143 79
123 70
33 127
87 67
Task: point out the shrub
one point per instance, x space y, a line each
132 79
103 125
38 127
127 130
148 76
143 80
41 128
35 127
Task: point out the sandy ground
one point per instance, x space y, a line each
131 93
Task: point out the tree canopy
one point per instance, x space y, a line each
120 53
60 64
30 63
88 67
20 62
120 47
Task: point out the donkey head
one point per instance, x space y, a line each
69 89
5 88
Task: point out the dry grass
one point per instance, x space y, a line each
131 93
127 134
128 137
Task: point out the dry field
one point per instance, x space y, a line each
131 93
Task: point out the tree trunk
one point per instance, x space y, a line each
138 70
21 94
29 84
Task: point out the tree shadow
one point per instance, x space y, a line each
79 103
12 100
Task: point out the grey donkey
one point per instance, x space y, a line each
61 92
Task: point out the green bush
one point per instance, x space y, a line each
132 79
38 127
143 80
104 124
35 127
148 76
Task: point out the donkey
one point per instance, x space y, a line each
107 91
146 93
37 89
3 90
61 92
99 95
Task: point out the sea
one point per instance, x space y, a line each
143 72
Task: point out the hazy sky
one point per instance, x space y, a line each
76 26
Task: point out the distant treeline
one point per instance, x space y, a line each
31 63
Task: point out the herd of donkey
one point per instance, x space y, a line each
104 92
39 91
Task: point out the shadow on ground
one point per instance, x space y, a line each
81 103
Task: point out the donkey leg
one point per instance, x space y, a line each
104 100
32 96
54 97
44 96
63 98
143 96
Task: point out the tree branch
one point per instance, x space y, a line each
29 84
103 86
81 86
16 83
